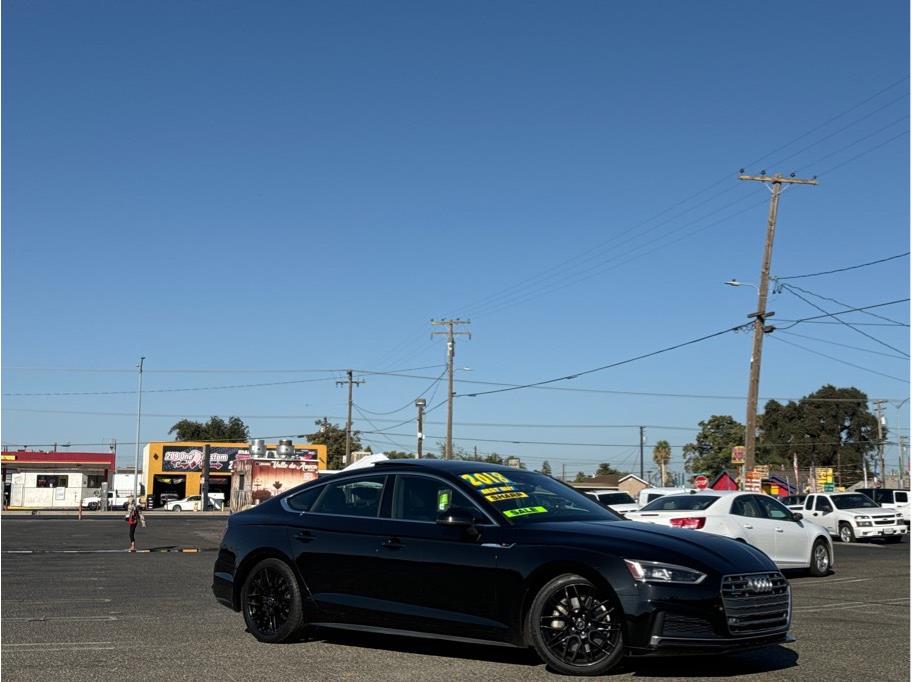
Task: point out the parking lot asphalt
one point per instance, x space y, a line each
76 606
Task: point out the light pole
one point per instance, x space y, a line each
420 404
138 422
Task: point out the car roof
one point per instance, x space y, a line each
446 465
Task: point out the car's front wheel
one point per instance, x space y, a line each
575 627
271 602
846 534
820 559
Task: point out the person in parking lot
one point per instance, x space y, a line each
134 517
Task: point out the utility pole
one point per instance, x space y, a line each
760 326
642 442
138 422
420 404
348 425
880 441
451 352
902 453
564 472
110 482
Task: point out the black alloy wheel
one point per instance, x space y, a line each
271 602
575 628
820 559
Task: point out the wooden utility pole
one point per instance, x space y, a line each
902 452
760 328
451 353
880 442
642 442
348 425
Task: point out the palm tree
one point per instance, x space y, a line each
661 455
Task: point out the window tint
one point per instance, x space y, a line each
51 481
359 497
419 498
809 502
823 505
774 509
303 501
681 503
746 505
614 498
901 497
854 501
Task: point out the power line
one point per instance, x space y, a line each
844 362
843 345
609 366
410 403
170 390
844 305
845 269
791 290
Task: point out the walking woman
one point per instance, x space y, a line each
134 516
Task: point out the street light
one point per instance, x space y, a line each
736 283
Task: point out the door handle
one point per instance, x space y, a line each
748 526
392 543
304 536
779 530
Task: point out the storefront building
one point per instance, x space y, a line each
53 480
174 469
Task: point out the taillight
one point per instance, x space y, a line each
694 522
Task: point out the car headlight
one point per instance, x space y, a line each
863 523
657 572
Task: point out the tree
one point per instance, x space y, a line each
398 454
661 455
711 452
546 468
581 477
216 429
333 437
830 427
605 469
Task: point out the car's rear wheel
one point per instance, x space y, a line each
176 507
820 559
846 534
576 628
271 602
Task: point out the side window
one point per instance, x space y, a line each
901 497
747 506
809 502
774 510
304 500
359 497
823 505
419 498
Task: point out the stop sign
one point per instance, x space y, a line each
701 482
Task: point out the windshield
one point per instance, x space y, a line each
854 501
681 503
525 497
614 498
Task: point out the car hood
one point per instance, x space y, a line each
651 542
862 511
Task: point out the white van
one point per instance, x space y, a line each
647 495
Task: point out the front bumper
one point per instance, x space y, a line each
678 646
880 531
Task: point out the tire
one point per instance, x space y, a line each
271 602
176 507
846 534
820 559
574 628
93 506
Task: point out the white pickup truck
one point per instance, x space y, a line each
891 498
852 516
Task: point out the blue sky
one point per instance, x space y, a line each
248 190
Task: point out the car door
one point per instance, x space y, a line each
792 545
335 534
824 514
901 499
751 519
443 578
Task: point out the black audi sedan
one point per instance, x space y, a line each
483 553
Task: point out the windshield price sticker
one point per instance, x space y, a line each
489 478
501 489
505 496
523 511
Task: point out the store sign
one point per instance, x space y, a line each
738 454
221 459
752 482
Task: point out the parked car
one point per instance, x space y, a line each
759 520
891 498
793 500
647 495
853 516
115 501
480 552
616 500
188 503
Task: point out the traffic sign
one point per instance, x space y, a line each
701 482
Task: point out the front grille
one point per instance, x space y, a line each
756 603
884 520
684 626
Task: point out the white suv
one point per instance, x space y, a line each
891 498
852 516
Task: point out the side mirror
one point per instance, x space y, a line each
797 516
459 517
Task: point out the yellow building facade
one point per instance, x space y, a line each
172 470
